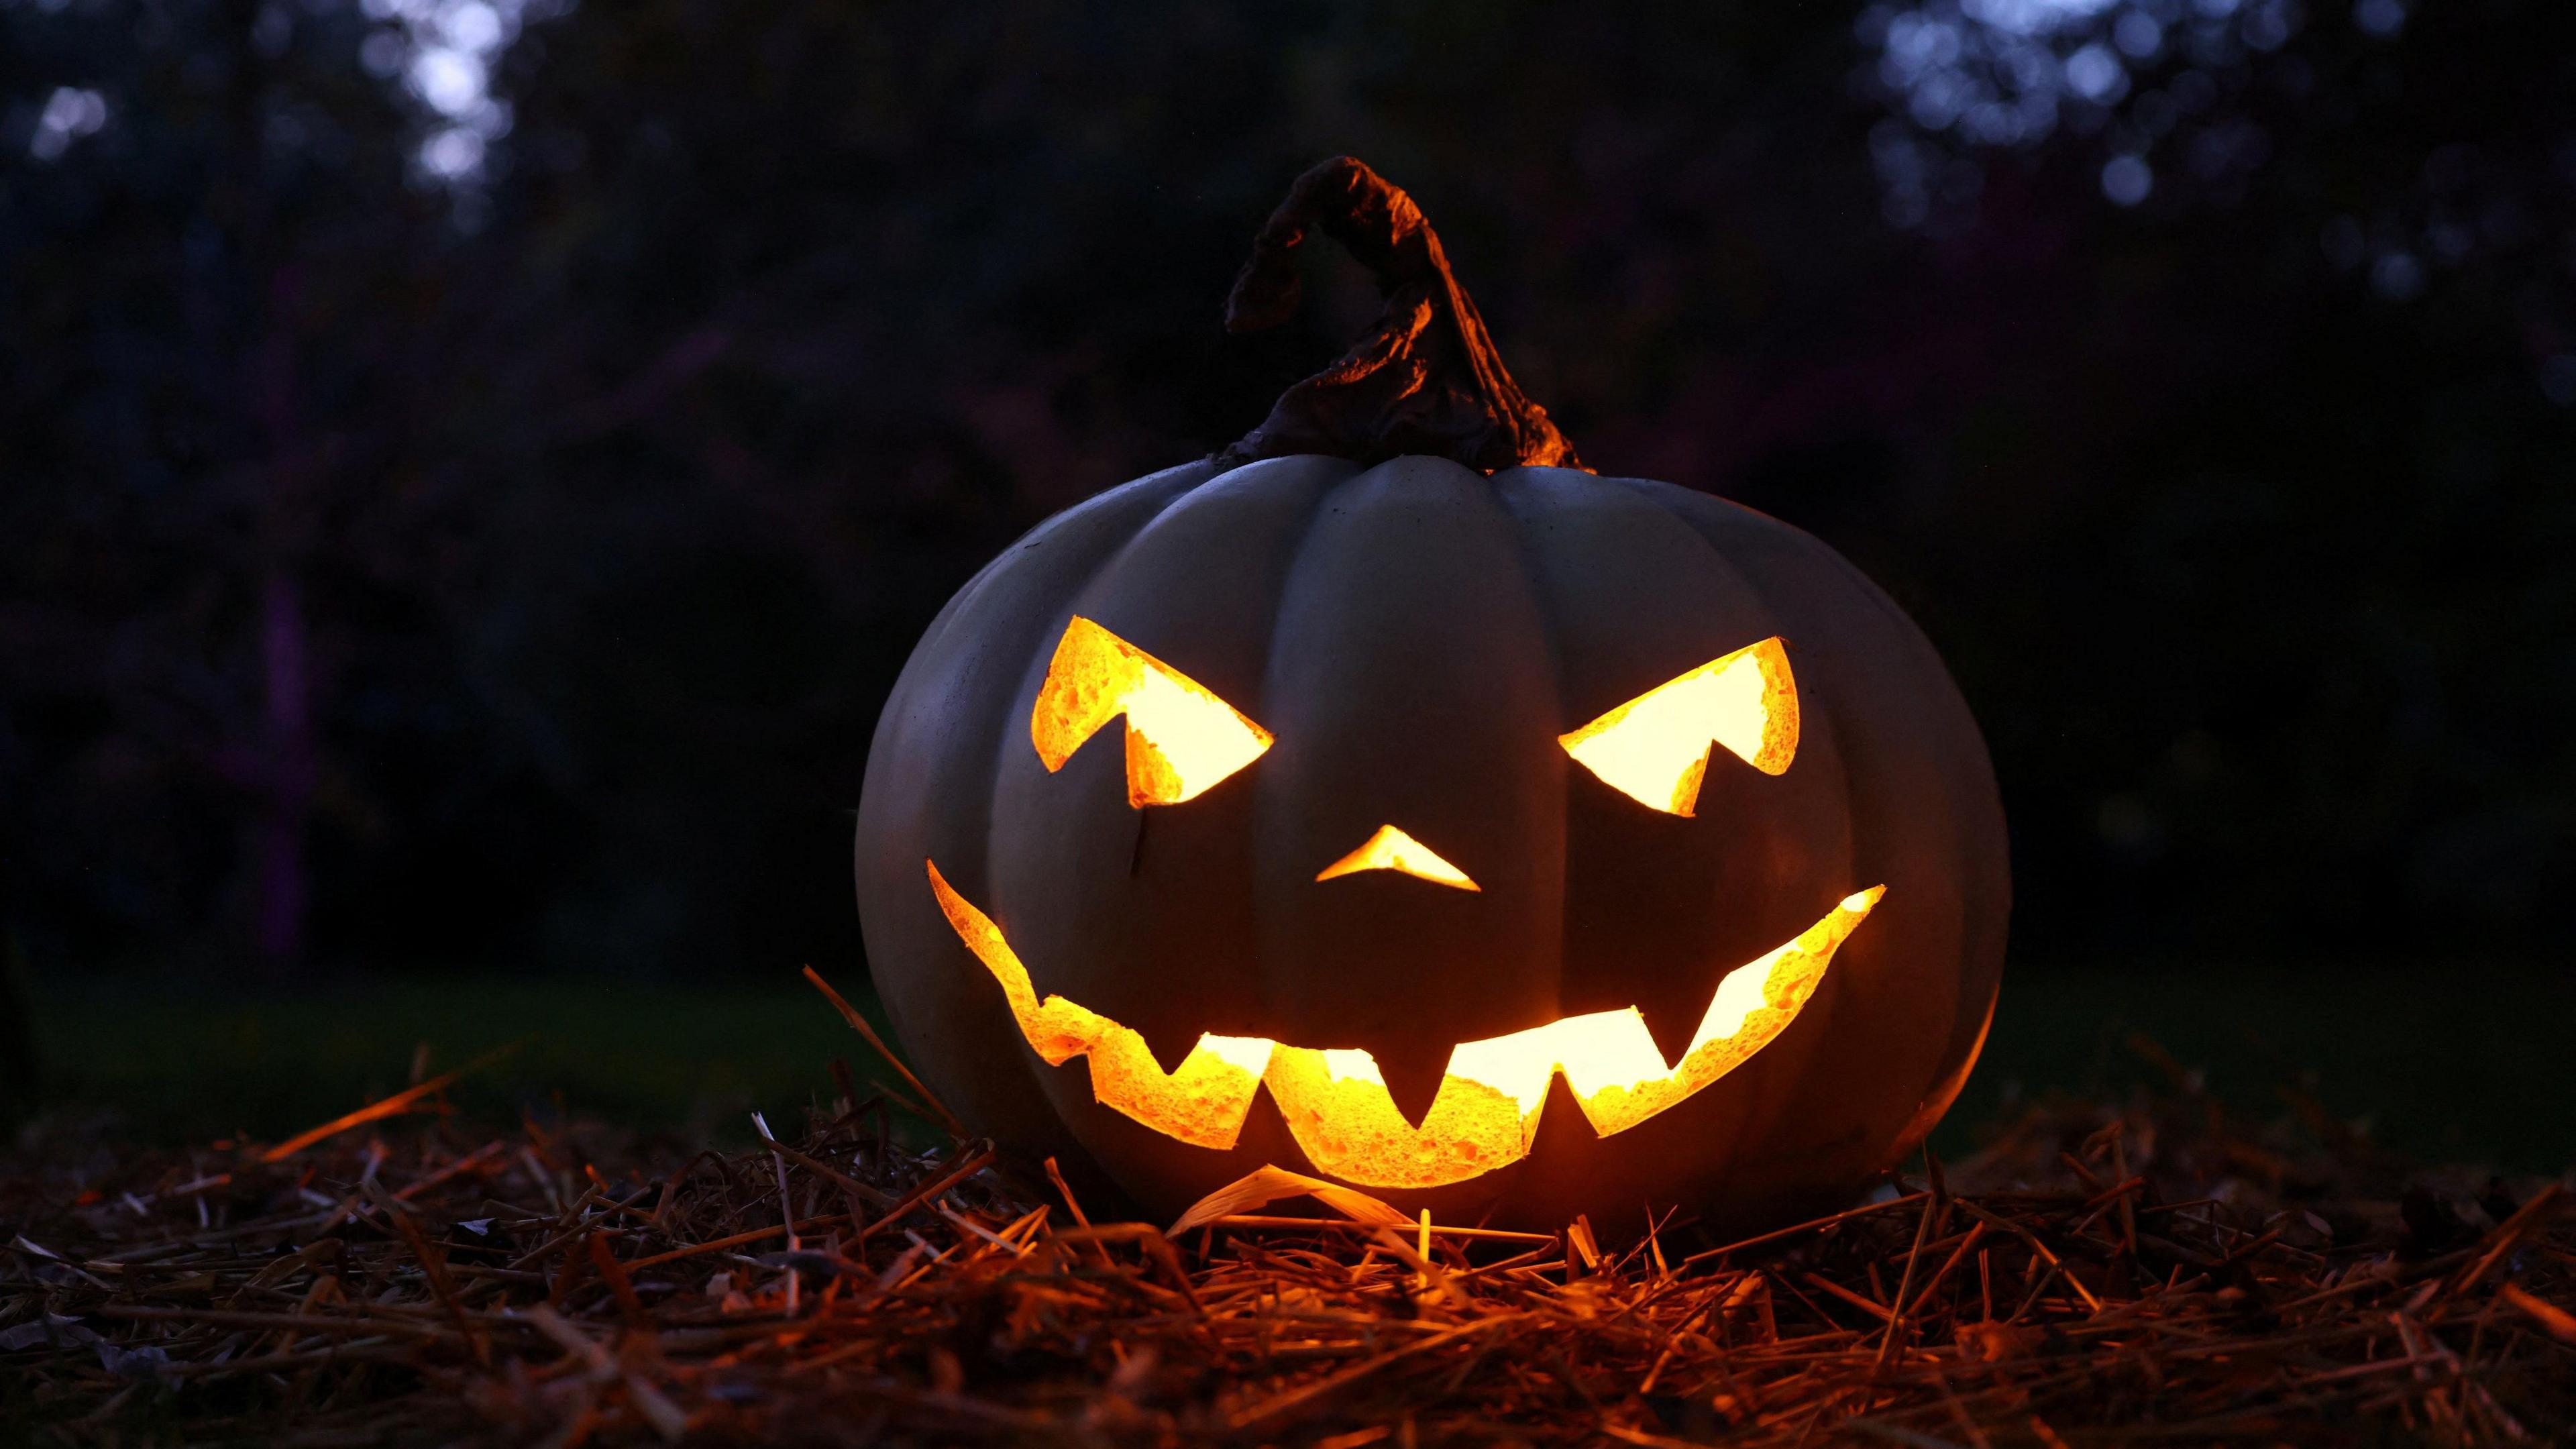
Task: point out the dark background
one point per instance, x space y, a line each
471 521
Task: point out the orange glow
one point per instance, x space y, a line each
1654 748
1181 739
1202 1103
1348 1126
1486 1111
1392 849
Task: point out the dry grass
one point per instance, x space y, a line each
2144 1271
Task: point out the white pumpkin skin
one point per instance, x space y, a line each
1416 635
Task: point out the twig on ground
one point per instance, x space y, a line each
2097 1274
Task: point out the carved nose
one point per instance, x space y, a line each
1392 849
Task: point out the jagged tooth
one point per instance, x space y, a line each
1265 1138
1413 1076
1565 1143
1673 1014
1170 1045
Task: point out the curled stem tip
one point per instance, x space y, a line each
1425 378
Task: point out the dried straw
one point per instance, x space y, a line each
2146 1271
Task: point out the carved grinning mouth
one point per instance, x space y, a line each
1486 1111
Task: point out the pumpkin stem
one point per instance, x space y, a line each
1425 379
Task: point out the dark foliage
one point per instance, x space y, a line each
380 588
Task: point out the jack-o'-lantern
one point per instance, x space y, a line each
1393 800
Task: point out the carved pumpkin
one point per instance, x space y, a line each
1513 843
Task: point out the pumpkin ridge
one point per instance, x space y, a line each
918 774
1387 566
1566 523
1198 588
1126 553
1818 718
1840 585
984 776
1041 642
1969 1020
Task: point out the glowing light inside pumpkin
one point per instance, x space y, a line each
1392 849
1181 739
1202 1102
1654 748
1486 1111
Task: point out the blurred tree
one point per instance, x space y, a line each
210 253
493 513
2324 350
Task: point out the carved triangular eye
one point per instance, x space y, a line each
1654 748
1181 739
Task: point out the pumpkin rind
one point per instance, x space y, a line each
1417 635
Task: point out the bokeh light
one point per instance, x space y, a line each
2127 180
1963 78
70 113
443 53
